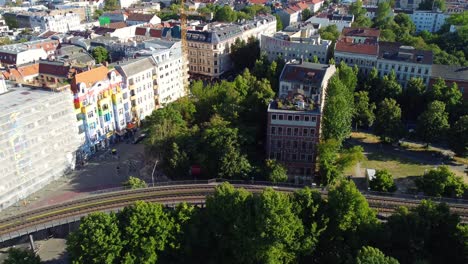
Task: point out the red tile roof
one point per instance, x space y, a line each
258 2
140 17
140 31
360 32
360 48
89 77
117 25
52 69
155 33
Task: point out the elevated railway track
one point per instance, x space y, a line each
195 193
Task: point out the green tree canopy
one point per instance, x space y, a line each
383 15
111 5
413 99
226 14
306 14
329 32
458 136
275 171
20 256
279 23
433 123
134 183
383 182
370 255
363 110
388 121
100 54
441 182
97 240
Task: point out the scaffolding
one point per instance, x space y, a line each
38 141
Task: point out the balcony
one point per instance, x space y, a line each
131 87
133 98
155 76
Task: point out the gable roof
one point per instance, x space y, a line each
90 77
135 66
140 17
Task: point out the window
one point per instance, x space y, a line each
312 132
280 117
296 131
278 143
309 157
288 131
273 117
304 132
290 118
280 130
296 118
313 119
90 114
304 145
273 130
302 156
306 118
294 144
288 144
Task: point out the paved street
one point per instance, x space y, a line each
99 173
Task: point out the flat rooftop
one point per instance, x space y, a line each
17 98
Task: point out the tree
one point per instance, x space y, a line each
11 21
97 240
333 160
330 32
20 256
428 234
383 182
111 5
450 95
360 19
433 123
412 101
146 230
390 88
225 14
363 110
244 55
383 15
441 182
306 14
388 121
97 13
431 4
350 217
275 171
338 111
370 255
100 54
279 23
134 183
458 138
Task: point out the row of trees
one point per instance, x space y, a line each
237 226
440 113
227 14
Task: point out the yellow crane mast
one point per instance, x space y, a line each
183 38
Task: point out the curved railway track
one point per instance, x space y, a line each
168 195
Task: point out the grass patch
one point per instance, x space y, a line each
365 137
397 166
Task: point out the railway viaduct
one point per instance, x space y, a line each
69 213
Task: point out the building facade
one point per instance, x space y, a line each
27 52
406 61
209 45
451 74
358 46
428 20
298 45
293 127
38 141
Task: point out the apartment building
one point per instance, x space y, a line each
305 44
209 45
99 106
293 128
428 20
358 46
292 13
139 82
27 52
406 61
172 77
41 21
38 140
451 74
339 20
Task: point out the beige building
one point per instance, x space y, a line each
209 45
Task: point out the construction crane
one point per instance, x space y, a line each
184 47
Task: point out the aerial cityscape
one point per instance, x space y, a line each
234 131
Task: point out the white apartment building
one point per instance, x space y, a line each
428 20
56 23
127 3
38 140
139 76
209 45
340 21
296 45
171 71
406 61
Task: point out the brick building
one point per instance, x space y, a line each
293 128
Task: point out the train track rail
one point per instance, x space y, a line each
169 195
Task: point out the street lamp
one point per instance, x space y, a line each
152 174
